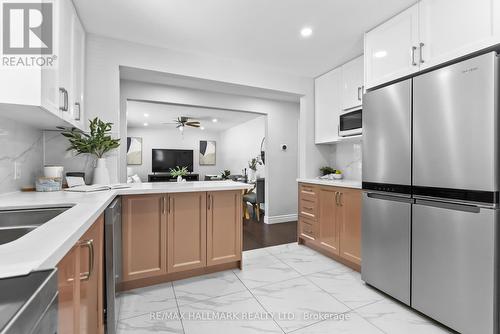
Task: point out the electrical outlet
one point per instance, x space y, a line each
17 170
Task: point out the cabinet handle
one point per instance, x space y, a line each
208 202
164 204
89 244
168 203
64 93
337 198
413 49
340 199
421 53
359 93
76 114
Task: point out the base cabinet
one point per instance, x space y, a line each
144 236
224 237
187 231
172 236
336 228
81 286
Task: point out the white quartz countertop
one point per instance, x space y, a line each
45 246
335 183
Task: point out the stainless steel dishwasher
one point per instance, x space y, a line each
113 262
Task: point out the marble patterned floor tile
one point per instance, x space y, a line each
307 261
395 318
299 298
201 318
285 248
144 300
255 253
152 323
352 323
346 285
195 289
262 270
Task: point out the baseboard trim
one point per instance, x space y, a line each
280 219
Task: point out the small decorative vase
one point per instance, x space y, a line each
251 177
101 174
179 178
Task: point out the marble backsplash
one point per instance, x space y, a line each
20 145
56 154
348 158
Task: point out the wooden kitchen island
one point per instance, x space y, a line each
171 236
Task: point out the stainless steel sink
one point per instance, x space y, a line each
16 223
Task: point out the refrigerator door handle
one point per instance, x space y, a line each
391 198
450 206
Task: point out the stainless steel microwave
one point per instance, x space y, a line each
351 123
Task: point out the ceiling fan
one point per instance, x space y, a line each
184 121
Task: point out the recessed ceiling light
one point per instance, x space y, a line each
306 32
215 120
202 128
146 115
380 54
146 124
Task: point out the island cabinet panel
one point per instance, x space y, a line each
81 285
328 218
224 227
350 225
144 236
187 231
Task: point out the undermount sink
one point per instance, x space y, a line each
16 223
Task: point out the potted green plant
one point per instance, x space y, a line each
225 174
252 165
97 143
327 170
179 172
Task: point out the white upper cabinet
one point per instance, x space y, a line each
328 104
391 48
453 28
427 34
46 96
352 82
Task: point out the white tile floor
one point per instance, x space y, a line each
281 289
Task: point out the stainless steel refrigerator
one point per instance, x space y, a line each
445 231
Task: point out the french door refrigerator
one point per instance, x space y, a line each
452 213
387 179
455 187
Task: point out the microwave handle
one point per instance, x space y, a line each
338 130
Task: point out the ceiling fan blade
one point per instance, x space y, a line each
193 125
193 122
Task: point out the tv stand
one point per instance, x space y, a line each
166 177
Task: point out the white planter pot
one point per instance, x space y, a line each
252 176
101 174
179 178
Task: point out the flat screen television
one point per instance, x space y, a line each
164 159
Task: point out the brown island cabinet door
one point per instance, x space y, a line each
144 236
187 231
224 227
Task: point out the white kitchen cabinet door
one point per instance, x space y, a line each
76 104
328 103
65 74
352 82
391 49
453 28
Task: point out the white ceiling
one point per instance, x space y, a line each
265 32
159 113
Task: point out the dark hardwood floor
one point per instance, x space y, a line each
259 234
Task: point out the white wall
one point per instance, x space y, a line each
241 143
105 55
172 139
